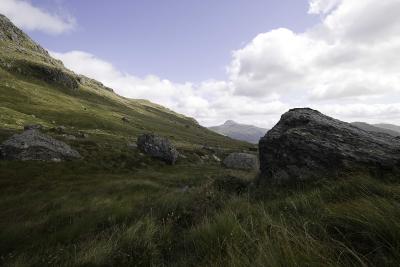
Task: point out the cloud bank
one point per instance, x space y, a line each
31 18
346 65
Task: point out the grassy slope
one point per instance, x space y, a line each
118 207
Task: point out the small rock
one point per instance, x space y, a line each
241 161
69 137
132 146
216 158
208 148
185 189
82 135
158 147
60 129
34 145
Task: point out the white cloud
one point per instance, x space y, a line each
346 65
352 55
28 17
211 102
322 6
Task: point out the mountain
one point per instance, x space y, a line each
36 88
243 132
375 128
391 127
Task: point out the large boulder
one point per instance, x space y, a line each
241 161
158 147
305 144
34 145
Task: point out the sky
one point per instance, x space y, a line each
248 61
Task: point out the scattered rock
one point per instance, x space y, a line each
59 129
33 127
82 135
69 136
185 189
205 157
217 159
158 147
132 146
209 148
241 161
305 144
34 145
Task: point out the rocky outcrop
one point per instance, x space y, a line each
158 147
9 32
305 144
241 161
85 81
45 73
34 145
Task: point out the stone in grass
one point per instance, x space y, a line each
241 161
158 147
34 145
308 145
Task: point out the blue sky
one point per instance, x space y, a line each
249 61
178 39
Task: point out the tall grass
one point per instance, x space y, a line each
114 214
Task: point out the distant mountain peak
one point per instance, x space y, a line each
238 131
230 122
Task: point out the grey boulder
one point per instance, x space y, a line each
158 147
306 144
34 145
241 161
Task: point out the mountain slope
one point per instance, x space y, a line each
243 132
35 88
375 128
388 126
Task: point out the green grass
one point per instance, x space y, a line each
75 214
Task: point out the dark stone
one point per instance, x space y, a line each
241 161
305 144
158 147
34 145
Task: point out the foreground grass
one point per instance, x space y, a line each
150 214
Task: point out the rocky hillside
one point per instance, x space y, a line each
37 89
375 128
243 132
